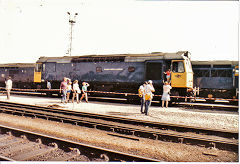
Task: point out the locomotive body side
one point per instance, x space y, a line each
116 73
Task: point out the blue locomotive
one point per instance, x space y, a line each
119 73
125 72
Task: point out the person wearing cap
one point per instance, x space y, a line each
148 95
141 94
166 95
8 88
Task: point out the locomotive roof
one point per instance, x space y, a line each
215 62
116 57
18 65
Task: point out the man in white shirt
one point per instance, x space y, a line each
141 94
8 83
148 95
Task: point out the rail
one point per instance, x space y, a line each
129 126
186 98
22 145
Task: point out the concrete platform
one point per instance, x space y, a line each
208 119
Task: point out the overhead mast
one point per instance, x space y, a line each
71 21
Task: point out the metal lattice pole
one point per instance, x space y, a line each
71 21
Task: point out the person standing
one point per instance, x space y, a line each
148 95
166 95
63 89
8 88
141 94
76 91
49 85
69 89
84 91
168 75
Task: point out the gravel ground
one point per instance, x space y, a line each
165 151
172 115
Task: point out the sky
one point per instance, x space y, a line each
209 30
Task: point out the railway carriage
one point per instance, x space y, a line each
118 73
217 79
22 74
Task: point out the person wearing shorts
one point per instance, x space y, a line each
84 91
76 91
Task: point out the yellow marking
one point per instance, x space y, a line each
37 77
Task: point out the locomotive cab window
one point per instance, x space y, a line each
38 68
178 67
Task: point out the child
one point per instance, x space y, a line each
84 90
168 75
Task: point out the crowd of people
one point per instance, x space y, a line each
145 91
66 88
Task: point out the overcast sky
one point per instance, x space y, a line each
33 28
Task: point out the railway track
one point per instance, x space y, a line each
22 145
222 107
124 127
203 101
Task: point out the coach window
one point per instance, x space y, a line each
178 67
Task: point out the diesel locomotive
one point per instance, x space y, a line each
124 73
119 73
